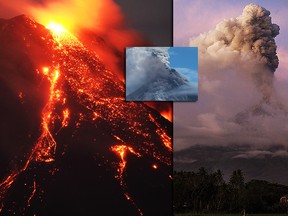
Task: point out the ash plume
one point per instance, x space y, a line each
251 35
150 77
239 102
249 40
148 59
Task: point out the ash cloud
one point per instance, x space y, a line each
145 65
150 76
251 35
239 102
248 38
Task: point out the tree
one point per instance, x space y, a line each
237 188
220 192
207 192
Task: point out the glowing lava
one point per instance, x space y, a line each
32 194
164 137
164 108
45 148
83 93
62 35
56 28
122 150
167 115
65 118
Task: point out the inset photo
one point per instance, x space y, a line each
162 74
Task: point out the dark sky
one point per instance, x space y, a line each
152 18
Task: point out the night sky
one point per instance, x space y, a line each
152 18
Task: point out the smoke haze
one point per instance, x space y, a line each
101 24
144 67
239 102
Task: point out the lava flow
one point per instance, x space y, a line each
164 108
122 150
82 118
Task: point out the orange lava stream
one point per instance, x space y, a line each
167 115
164 137
4 186
164 108
65 118
96 90
45 147
121 150
33 193
106 103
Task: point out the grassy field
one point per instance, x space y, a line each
193 214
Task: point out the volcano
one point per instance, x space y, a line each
149 76
70 143
162 88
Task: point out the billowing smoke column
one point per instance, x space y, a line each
151 62
250 35
161 53
238 102
248 38
149 77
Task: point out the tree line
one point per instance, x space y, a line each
207 192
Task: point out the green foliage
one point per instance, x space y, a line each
206 192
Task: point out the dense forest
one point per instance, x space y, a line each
207 192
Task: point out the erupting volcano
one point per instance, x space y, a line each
70 143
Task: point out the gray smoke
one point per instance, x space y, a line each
248 41
238 103
251 35
144 64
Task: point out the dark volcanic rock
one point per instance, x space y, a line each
82 176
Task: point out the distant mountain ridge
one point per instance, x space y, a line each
163 87
270 164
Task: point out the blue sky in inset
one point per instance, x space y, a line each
185 61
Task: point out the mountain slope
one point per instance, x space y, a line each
268 164
74 146
150 78
165 88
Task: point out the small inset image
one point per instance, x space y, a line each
162 74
